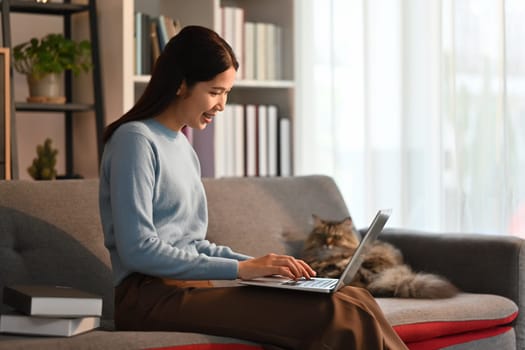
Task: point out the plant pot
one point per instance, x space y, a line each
46 89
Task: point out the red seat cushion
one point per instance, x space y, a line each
417 320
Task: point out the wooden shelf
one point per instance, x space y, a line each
67 11
51 107
269 84
50 8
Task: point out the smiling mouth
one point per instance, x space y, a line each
208 117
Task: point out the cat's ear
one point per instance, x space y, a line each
348 222
317 221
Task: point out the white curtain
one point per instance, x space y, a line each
417 106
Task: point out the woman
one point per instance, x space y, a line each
154 216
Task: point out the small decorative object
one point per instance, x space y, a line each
44 60
43 167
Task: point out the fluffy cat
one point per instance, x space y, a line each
331 244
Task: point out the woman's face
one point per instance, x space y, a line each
197 106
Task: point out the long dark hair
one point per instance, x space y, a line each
194 55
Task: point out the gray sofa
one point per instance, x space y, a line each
50 233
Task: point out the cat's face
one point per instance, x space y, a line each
333 234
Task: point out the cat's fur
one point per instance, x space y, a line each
331 244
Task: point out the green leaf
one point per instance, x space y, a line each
52 54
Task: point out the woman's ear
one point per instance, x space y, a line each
182 90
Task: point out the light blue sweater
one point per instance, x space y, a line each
153 207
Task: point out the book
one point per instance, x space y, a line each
229 140
138 43
262 140
238 33
146 44
251 140
62 327
173 26
238 127
278 53
203 142
220 147
270 35
163 32
186 130
45 300
285 165
272 140
232 29
155 47
249 50
260 51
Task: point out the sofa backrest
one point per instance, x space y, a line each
50 231
257 216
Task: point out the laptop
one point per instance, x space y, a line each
329 285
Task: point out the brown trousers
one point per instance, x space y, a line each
348 319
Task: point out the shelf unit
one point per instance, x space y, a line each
117 20
67 10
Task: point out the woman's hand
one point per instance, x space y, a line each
273 264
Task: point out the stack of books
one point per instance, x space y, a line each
257 45
152 33
251 140
50 310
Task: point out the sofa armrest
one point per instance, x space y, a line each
476 263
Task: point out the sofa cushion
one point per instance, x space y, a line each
211 347
418 320
105 339
493 338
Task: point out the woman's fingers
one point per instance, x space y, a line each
273 264
298 267
307 268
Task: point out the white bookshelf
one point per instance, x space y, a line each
123 87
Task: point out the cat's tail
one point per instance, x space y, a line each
402 282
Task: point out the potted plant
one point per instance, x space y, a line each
44 60
43 166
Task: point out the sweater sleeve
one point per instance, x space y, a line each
211 249
132 180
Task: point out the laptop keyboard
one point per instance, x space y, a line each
315 283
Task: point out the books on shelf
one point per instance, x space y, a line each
257 45
247 141
229 142
151 34
44 300
266 51
18 323
50 310
232 30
